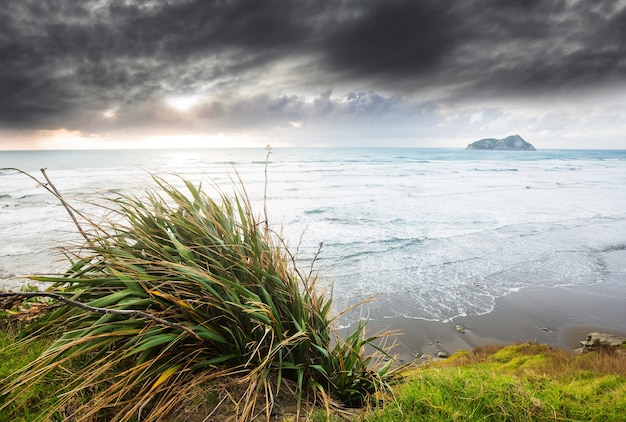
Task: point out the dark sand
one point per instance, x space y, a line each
560 317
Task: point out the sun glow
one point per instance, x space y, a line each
219 140
111 112
65 139
182 103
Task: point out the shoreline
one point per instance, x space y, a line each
560 317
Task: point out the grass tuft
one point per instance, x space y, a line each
216 300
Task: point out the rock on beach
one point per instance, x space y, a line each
601 341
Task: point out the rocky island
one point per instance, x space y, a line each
512 143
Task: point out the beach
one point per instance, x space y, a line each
557 316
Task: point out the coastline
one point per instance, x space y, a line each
560 317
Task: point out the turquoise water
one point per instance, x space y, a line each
431 233
152 159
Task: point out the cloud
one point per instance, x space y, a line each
392 39
263 64
61 57
266 111
559 46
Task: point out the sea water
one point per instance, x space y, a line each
429 233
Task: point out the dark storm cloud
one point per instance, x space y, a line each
63 63
488 46
393 38
538 47
59 58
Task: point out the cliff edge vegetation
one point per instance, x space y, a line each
521 382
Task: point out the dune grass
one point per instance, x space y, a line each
178 291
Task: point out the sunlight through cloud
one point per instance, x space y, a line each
182 103
111 112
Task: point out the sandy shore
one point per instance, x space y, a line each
560 317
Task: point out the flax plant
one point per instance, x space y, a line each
192 291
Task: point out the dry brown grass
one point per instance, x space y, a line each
556 360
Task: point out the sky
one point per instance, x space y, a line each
376 73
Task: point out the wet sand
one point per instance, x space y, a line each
560 317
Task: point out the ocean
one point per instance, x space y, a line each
429 233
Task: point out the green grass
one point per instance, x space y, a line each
523 382
13 357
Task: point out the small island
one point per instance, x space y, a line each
510 143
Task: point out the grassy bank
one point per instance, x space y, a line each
522 382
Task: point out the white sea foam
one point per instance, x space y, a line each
431 233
